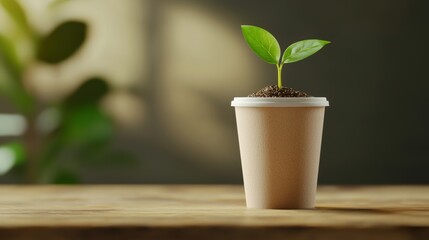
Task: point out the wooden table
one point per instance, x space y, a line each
208 212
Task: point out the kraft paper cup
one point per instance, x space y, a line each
280 141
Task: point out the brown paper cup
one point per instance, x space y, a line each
280 141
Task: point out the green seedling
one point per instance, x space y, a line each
265 45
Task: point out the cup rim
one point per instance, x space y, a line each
280 102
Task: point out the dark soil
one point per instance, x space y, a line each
275 91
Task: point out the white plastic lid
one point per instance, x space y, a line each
279 102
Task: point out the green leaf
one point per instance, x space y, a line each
12 90
8 56
19 151
263 43
10 76
87 124
11 155
83 125
62 42
64 176
83 121
16 12
90 92
302 49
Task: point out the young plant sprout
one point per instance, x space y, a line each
265 45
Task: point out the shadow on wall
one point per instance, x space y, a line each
200 64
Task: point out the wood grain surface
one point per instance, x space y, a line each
208 212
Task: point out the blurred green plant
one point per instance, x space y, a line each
61 135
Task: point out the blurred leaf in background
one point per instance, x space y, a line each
63 134
11 155
10 76
65 177
62 42
18 15
83 121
